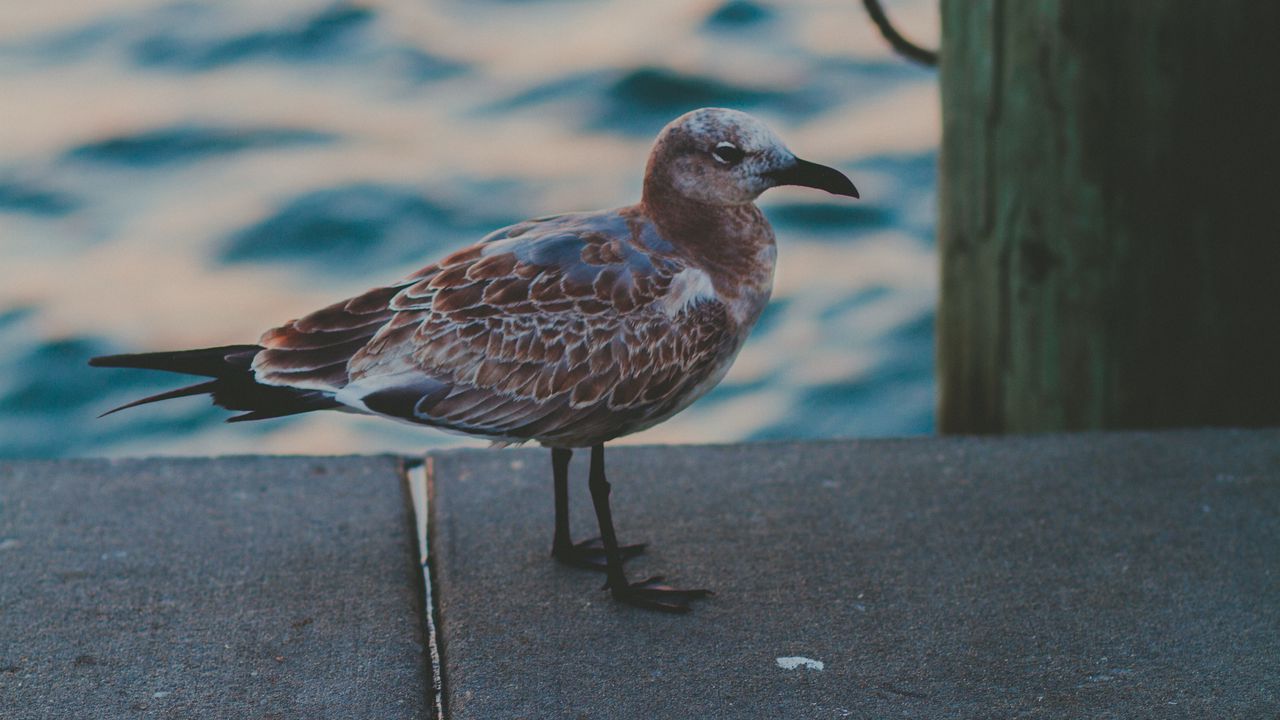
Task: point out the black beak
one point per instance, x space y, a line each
817 176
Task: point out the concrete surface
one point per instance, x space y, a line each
236 588
1099 575
1102 576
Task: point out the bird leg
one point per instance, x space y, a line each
589 554
651 593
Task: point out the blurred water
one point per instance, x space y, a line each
181 174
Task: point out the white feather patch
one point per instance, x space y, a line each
687 287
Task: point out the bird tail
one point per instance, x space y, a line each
232 386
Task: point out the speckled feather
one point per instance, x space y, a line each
568 330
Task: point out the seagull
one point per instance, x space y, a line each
569 330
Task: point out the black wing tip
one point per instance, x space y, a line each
210 362
118 408
197 389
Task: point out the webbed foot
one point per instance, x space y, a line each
653 594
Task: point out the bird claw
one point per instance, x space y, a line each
590 554
653 594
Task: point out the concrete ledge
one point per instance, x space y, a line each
231 588
1096 575
1100 575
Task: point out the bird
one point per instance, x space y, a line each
568 330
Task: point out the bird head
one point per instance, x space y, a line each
719 156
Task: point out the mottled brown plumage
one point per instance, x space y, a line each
556 330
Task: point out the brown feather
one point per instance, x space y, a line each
492 266
525 340
506 291
451 299
450 277
462 256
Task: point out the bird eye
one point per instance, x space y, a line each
726 153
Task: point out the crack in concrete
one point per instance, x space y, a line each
417 478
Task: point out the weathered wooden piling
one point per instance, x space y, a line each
1109 221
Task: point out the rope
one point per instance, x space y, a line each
905 47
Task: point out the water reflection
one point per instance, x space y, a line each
181 174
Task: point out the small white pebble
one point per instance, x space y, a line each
160 694
791 663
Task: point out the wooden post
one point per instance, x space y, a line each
1110 214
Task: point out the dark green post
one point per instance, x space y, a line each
1110 214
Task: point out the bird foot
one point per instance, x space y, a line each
652 594
590 554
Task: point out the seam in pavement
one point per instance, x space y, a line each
417 474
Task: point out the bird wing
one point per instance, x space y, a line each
559 329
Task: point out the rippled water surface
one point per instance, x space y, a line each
187 174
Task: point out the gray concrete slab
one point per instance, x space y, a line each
1098 575
234 588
